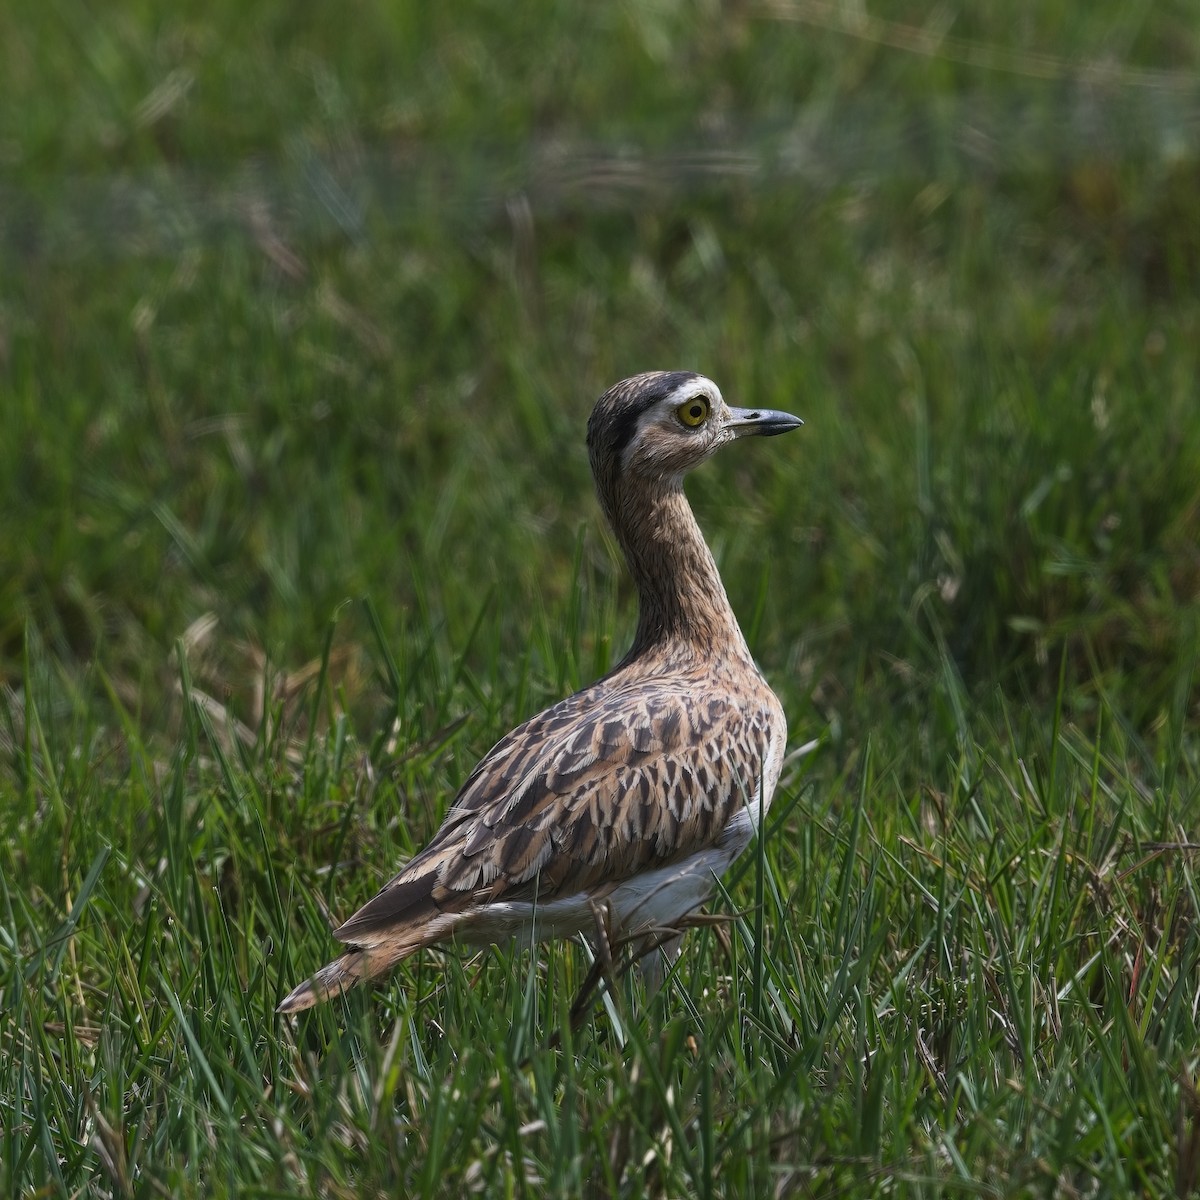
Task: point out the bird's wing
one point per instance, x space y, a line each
583 794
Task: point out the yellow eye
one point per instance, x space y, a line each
694 412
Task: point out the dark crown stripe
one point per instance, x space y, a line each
623 422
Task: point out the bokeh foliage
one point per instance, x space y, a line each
302 310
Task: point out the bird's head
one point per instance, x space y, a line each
656 427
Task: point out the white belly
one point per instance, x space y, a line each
655 899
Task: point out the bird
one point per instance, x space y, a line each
631 797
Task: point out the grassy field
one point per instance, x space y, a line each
302 311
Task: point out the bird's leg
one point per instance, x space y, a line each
604 967
600 968
659 948
602 963
649 949
602 916
656 955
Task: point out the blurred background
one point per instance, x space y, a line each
302 304
303 308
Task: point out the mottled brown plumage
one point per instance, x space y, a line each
636 792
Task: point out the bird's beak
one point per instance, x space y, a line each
761 422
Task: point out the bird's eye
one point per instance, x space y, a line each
694 412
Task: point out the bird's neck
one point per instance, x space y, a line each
681 599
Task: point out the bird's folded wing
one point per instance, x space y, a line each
582 796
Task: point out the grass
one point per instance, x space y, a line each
300 321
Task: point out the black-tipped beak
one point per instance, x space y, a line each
760 422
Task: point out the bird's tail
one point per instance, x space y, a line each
362 962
